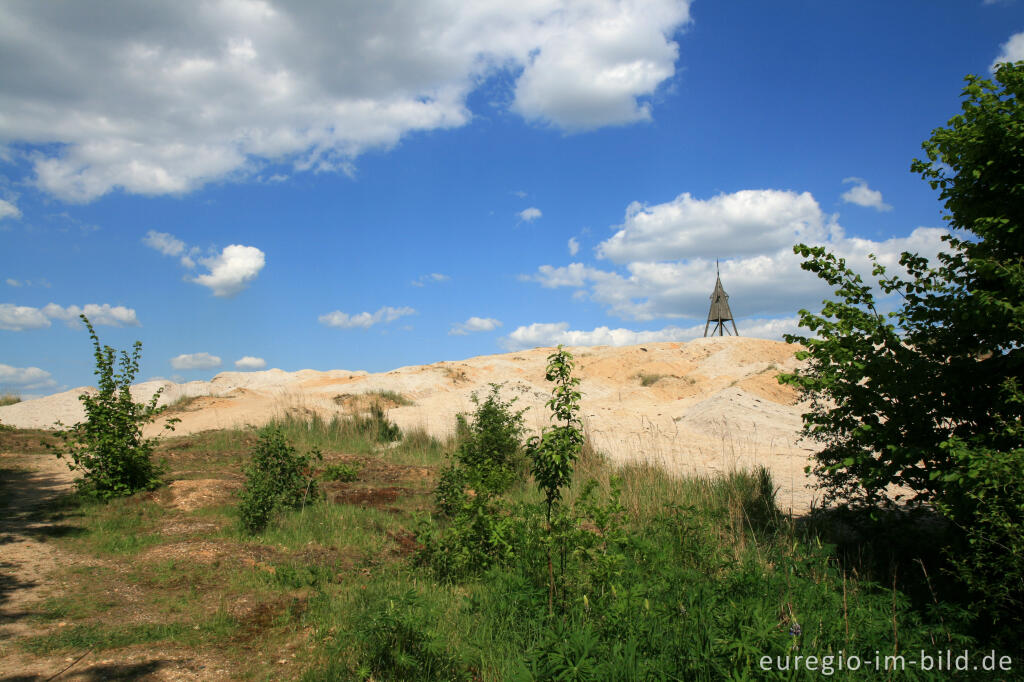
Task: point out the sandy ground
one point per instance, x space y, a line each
716 407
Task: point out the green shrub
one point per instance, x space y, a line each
9 399
345 473
488 460
490 448
108 448
277 477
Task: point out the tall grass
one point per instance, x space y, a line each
9 399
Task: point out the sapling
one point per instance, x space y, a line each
108 447
555 451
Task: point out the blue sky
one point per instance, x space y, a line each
243 184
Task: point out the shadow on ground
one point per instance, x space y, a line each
34 506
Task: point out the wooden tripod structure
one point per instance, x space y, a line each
719 313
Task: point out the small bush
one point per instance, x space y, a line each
9 399
108 447
488 460
276 478
345 473
490 448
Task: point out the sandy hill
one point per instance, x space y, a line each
712 404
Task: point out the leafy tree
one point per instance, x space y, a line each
108 447
928 397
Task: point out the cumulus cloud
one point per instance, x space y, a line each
1010 51
474 324
8 210
608 56
11 282
165 100
250 362
106 314
428 279
668 256
364 320
19 318
26 378
862 195
741 223
554 333
574 246
528 215
195 361
232 270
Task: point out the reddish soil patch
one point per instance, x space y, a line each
370 497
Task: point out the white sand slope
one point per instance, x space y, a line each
717 405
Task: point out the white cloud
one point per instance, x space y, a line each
530 214
1010 51
474 324
432 277
18 318
8 210
606 57
13 282
105 314
167 244
669 256
165 100
574 246
250 362
520 193
364 320
195 361
862 195
26 378
552 334
232 270
741 223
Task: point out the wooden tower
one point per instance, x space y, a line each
719 313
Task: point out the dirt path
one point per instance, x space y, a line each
29 486
30 568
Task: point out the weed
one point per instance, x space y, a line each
9 399
398 644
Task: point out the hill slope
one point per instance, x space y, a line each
708 405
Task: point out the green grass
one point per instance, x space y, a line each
649 379
9 399
392 396
681 578
100 637
121 527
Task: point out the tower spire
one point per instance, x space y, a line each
719 312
